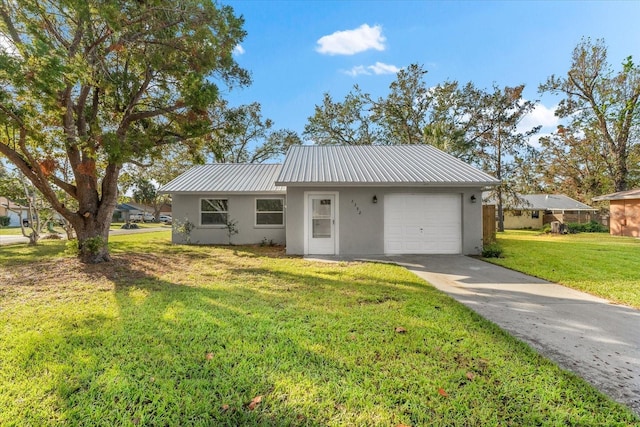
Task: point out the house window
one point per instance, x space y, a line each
270 212
535 214
517 213
214 211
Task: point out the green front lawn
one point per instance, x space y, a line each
10 231
597 263
17 231
187 335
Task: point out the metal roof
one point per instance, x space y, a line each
378 165
620 195
546 202
227 178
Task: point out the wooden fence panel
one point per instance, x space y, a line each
488 224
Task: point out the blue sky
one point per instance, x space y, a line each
297 50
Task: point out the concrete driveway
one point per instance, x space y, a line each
589 336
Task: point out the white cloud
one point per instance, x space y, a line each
350 42
534 140
381 68
540 116
378 68
357 70
238 50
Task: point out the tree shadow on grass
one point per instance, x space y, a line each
180 354
319 350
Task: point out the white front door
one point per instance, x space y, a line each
321 224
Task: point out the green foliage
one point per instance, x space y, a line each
187 335
404 113
185 228
241 135
603 109
572 163
546 229
492 250
71 247
92 245
144 192
88 86
589 227
343 123
479 126
4 221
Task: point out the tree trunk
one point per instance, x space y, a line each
500 211
93 239
620 174
93 220
500 217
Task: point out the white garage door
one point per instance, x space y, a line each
422 224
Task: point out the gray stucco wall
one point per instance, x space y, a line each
242 208
363 233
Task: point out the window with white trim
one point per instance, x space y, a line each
214 211
269 212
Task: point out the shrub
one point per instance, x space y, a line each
4 221
596 227
590 227
71 247
492 250
185 228
546 229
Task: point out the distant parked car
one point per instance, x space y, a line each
165 218
145 217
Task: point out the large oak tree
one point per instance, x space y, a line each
98 84
601 104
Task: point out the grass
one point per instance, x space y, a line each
10 231
596 263
187 335
15 231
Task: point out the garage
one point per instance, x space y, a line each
422 224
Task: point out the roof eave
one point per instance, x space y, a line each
387 184
609 199
237 193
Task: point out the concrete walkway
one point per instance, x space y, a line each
589 336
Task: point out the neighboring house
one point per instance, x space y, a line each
11 209
124 211
536 210
624 209
165 209
338 200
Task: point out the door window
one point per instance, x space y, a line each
321 219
